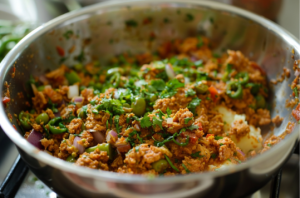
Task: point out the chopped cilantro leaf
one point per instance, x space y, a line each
169 112
208 98
186 120
239 161
93 102
159 84
215 55
218 137
269 145
171 88
229 159
185 168
190 92
157 121
200 43
131 23
189 17
295 90
112 106
193 104
145 122
197 155
95 111
193 127
222 144
68 33
214 155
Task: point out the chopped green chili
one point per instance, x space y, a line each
234 90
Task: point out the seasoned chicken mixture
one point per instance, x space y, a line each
182 109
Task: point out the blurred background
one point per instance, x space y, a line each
18 17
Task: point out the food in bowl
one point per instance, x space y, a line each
182 109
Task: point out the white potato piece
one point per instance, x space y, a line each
251 141
223 166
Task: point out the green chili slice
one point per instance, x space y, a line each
171 164
234 90
24 118
243 77
55 129
72 77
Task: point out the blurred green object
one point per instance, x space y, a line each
10 34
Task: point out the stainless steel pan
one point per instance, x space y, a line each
105 26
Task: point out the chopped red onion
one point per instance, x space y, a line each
73 91
98 136
241 152
110 134
297 72
170 72
137 127
43 79
35 138
77 145
123 148
169 120
78 99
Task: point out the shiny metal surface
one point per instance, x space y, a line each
104 24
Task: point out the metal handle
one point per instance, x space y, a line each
275 185
14 179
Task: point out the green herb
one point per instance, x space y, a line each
176 160
95 111
211 20
116 120
193 127
189 17
47 132
68 34
137 148
200 43
295 90
269 145
171 164
229 159
171 88
162 75
214 155
93 102
145 122
139 138
112 106
185 168
215 73
235 154
197 155
169 112
159 84
166 20
215 55
186 120
218 137
131 23
52 106
221 144
239 161
193 104
157 121
190 92
80 57
208 98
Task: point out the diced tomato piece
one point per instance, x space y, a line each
213 93
60 51
296 113
210 135
192 136
199 124
5 100
15 127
